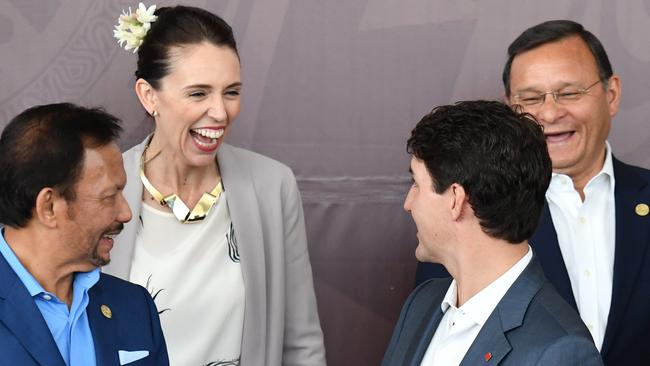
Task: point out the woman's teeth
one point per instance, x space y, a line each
208 132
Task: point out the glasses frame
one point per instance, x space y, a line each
556 96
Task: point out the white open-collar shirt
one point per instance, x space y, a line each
586 233
459 326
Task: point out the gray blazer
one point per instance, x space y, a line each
531 325
281 325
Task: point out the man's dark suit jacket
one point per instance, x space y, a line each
133 325
531 325
628 324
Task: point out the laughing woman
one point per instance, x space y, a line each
218 233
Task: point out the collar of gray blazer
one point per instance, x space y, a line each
508 314
242 204
244 208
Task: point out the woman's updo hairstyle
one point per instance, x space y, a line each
178 26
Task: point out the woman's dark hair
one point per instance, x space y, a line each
178 26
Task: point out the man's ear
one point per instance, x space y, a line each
458 200
147 95
48 206
506 100
613 92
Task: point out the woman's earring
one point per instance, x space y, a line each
154 113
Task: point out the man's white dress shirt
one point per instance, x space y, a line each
586 235
459 326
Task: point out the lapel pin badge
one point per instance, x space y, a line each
106 311
642 209
488 356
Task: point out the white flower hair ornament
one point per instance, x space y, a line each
132 27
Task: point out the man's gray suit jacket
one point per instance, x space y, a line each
531 325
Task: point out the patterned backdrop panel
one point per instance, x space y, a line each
332 88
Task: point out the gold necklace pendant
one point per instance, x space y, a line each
176 204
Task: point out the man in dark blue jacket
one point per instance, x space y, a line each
61 204
593 240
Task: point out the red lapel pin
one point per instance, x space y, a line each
488 356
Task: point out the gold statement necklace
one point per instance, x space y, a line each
178 207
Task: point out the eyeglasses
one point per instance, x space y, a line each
564 96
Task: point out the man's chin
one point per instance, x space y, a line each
103 262
99 260
424 255
420 255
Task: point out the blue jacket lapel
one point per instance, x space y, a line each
425 333
509 314
631 243
417 323
103 329
547 250
490 340
19 313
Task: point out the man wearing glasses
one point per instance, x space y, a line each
594 235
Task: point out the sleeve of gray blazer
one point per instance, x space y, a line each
571 350
303 344
394 346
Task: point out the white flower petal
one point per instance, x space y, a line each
146 15
133 27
